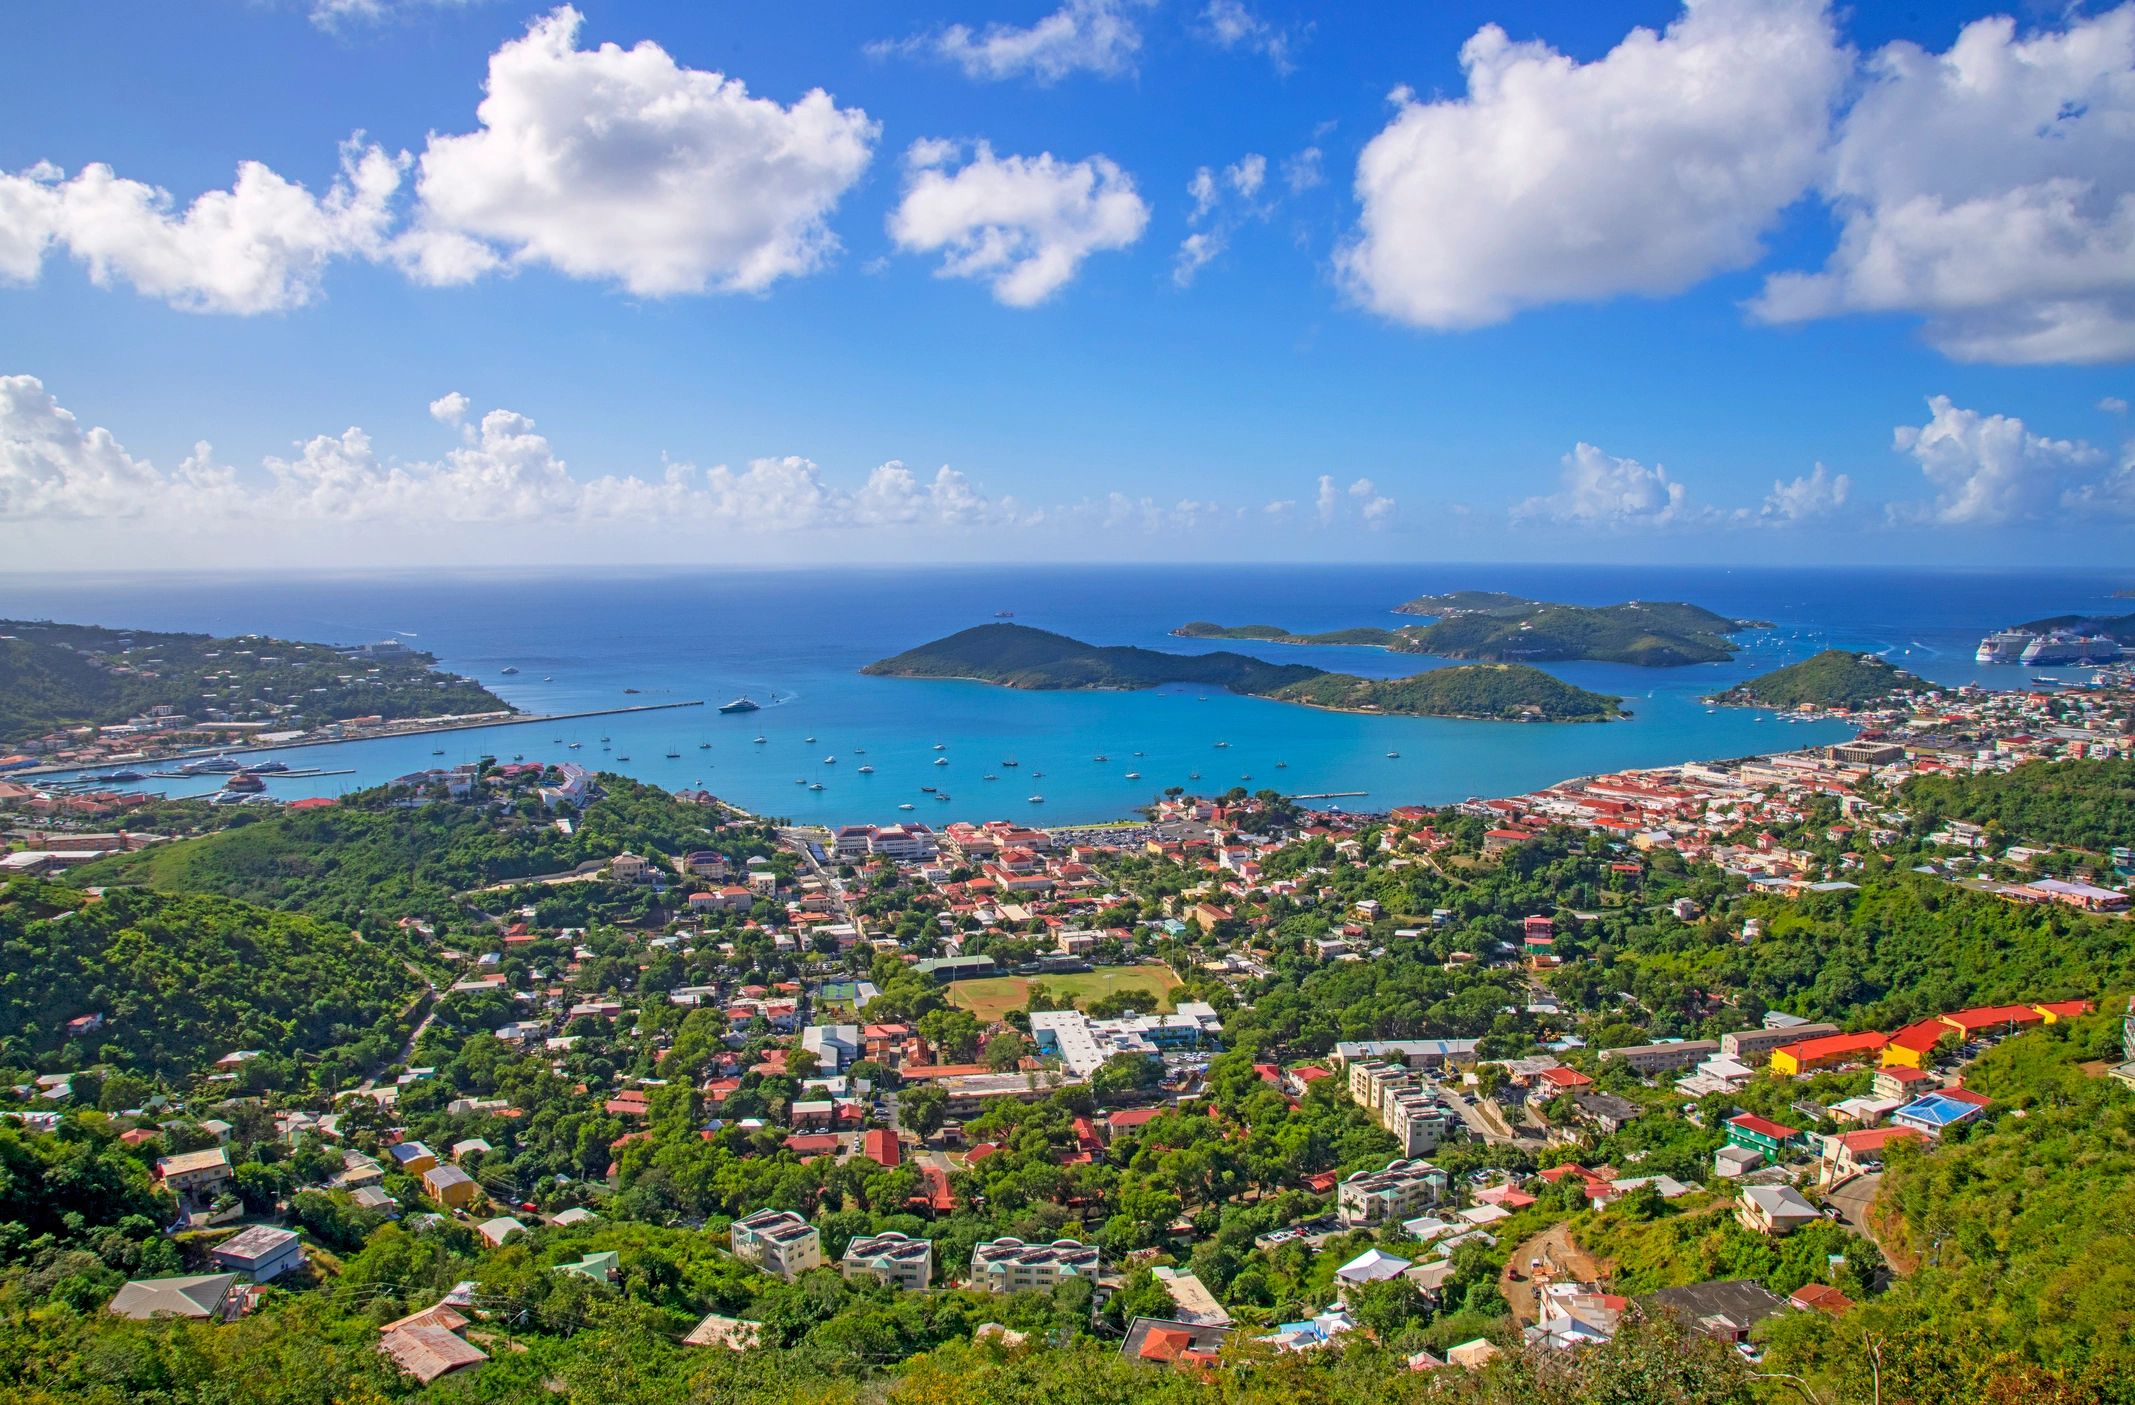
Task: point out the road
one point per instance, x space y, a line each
801 840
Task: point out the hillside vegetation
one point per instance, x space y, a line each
182 980
61 675
372 853
1504 628
1016 656
1362 636
2089 804
1495 692
1834 678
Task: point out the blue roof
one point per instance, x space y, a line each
1937 1109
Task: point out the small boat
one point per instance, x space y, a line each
1037 800
859 751
1245 778
1004 614
1393 756
437 751
704 746
927 789
760 740
830 761
1137 753
989 776
622 758
940 746
511 672
1100 757
630 690
604 738
1282 765
673 755
518 756
548 678
867 770
941 795
817 785
575 745
1037 775
741 704
800 780
1134 775
1221 745
810 741
1010 761
1193 775
906 806
941 760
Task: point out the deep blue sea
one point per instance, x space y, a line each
579 638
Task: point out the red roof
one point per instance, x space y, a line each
1310 1073
1834 1045
1820 1297
881 1145
1166 1344
1987 1016
2064 1009
1875 1138
1921 1037
1763 1127
1562 1077
1133 1117
806 1144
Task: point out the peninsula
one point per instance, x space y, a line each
149 693
1017 656
1835 678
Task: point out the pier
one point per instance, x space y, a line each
1332 795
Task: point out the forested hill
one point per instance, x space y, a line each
1488 626
375 854
59 675
1491 692
2087 804
1833 678
182 980
1017 656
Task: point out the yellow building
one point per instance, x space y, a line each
450 1187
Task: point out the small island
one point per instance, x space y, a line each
57 678
1834 679
1017 656
1474 624
1363 636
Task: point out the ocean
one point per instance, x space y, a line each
795 639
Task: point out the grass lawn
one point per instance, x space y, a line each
994 997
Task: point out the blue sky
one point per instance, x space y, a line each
1554 289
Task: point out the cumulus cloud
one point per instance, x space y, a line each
1986 470
1991 190
1597 489
1227 200
1360 503
2113 405
1643 171
1807 497
449 408
1229 24
1082 36
51 466
1302 171
259 246
1022 224
621 164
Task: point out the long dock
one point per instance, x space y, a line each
418 728
1332 795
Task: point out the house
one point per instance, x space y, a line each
412 1158
450 1187
1371 1266
1899 1081
1820 1297
427 1344
1734 1162
261 1253
1760 1134
1192 1302
1473 1355
896 1259
1009 1265
195 1176
495 1232
603 1267
204 1296
1606 1111
1936 1112
1561 1079
1774 1209
1726 1309
779 1242
731 1333
1168 1341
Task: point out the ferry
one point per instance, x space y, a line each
744 703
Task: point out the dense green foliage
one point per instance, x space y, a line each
376 853
1017 656
2089 804
1499 692
1652 633
57 675
182 980
1833 678
1362 636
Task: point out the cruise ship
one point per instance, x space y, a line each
2004 646
2072 647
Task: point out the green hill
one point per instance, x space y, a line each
1835 678
1503 628
372 854
63 675
182 979
2088 804
1017 656
1362 636
2118 627
1493 692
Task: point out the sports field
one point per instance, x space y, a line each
995 996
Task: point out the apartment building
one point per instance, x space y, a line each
1011 1266
779 1242
897 1259
1390 1195
1646 1060
1749 1046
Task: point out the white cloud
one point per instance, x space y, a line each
1303 171
1247 174
1806 497
1230 199
621 164
1082 36
1203 190
1360 502
50 466
1991 190
1230 25
2113 405
334 16
1643 171
259 246
1600 490
1196 251
449 408
1986 470
1023 224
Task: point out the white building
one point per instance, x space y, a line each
1012 1266
895 1258
1391 1195
779 1242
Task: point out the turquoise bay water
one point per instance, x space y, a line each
800 636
